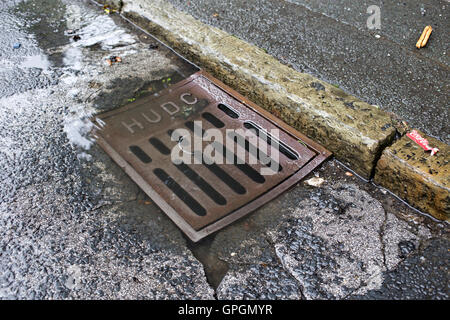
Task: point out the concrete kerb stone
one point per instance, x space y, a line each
355 131
414 175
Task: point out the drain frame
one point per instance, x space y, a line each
321 154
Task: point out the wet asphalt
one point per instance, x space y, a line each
330 40
74 226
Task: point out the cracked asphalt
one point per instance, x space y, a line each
74 226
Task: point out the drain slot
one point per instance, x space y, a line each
253 150
192 126
226 178
180 192
228 111
138 152
213 120
284 149
202 184
218 172
190 174
239 163
160 146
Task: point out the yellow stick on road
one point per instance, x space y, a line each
422 42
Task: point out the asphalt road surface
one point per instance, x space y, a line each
330 39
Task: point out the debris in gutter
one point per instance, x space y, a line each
417 138
422 42
72 33
108 9
315 182
113 59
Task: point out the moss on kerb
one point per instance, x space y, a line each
416 176
354 130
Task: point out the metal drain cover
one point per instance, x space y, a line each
202 197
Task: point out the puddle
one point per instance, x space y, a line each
53 24
98 37
104 32
73 39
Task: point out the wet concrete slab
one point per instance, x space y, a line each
329 41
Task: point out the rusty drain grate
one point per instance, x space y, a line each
202 198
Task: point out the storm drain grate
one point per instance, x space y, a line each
202 197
